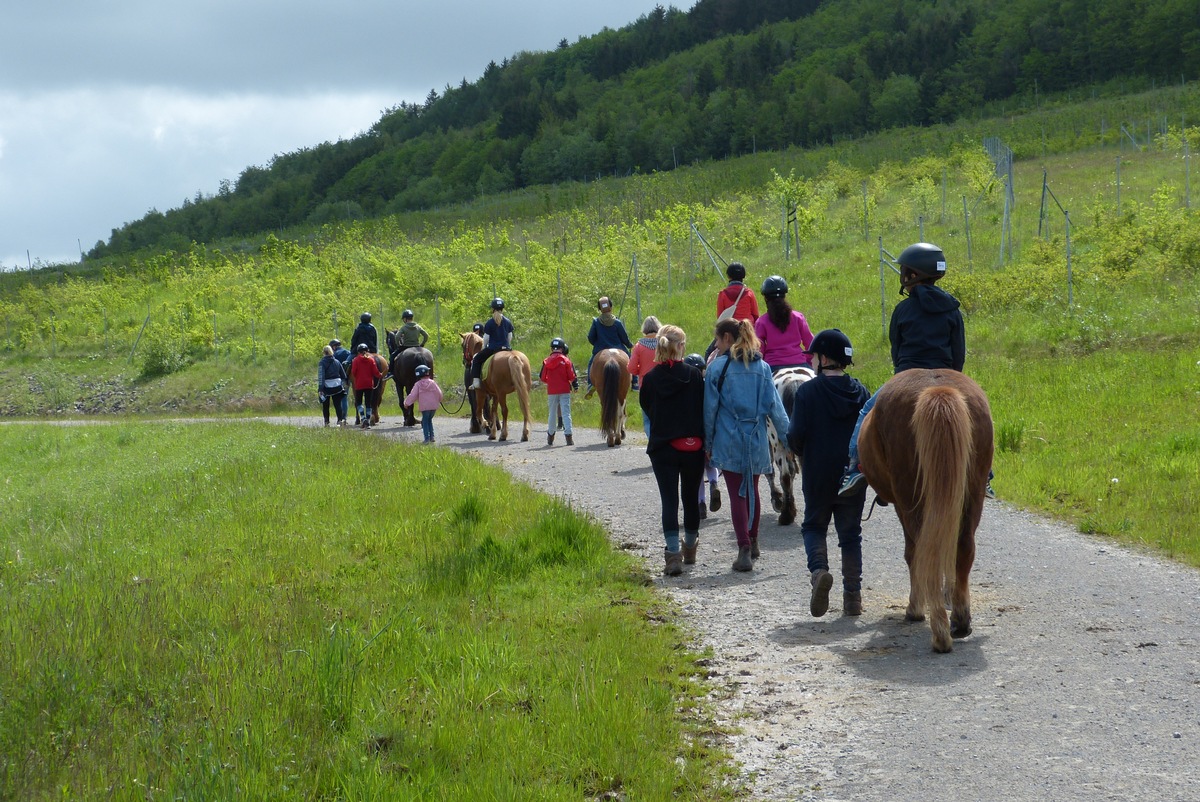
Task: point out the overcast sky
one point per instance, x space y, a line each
111 108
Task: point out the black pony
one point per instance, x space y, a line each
404 367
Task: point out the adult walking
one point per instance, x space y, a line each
364 372
641 358
783 332
331 386
672 399
739 397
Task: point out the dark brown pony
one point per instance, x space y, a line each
926 447
509 372
404 371
610 376
375 394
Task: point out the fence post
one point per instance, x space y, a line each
292 358
216 340
967 228
253 343
437 318
1118 186
558 271
668 264
882 293
866 230
1070 280
637 287
138 339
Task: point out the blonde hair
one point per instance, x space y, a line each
650 325
746 345
671 342
328 350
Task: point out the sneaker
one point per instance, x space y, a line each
714 495
475 384
822 581
987 491
853 482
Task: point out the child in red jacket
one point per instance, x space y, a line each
558 374
364 372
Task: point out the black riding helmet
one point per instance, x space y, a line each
362 348
421 370
365 317
558 342
478 327
774 287
407 314
696 361
925 259
832 344
736 271
497 304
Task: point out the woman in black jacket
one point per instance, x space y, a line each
672 399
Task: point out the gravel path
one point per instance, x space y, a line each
1080 681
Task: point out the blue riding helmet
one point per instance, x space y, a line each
696 361
362 348
497 304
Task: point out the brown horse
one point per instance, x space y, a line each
926 447
508 372
472 344
610 376
375 394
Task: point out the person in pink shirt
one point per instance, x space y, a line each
427 395
783 331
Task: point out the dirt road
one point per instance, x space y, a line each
1081 680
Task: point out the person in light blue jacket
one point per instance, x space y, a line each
739 398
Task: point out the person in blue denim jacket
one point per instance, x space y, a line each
739 397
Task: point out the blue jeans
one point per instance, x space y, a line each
560 403
862 414
427 424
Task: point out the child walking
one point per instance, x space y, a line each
426 395
558 374
824 412
364 373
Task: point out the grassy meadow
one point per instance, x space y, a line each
249 611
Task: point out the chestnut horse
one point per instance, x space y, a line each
610 376
926 447
508 372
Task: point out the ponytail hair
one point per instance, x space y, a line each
671 344
746 345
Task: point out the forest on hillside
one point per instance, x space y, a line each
725 78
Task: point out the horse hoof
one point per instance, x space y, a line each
913 617
943 648
959 630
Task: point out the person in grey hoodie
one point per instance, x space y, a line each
823 415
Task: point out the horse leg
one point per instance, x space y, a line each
960 596
914 611
787 485
504 412
776 494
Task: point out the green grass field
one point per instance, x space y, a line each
250 611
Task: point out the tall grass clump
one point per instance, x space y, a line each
251 611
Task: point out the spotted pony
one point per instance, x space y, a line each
787 467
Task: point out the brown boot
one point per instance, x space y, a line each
570 440
754 552
550 439
673 563
822 581
744 561
689 553
852 602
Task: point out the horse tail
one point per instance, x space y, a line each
521 378
610 396
941 424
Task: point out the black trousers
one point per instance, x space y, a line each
679 473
